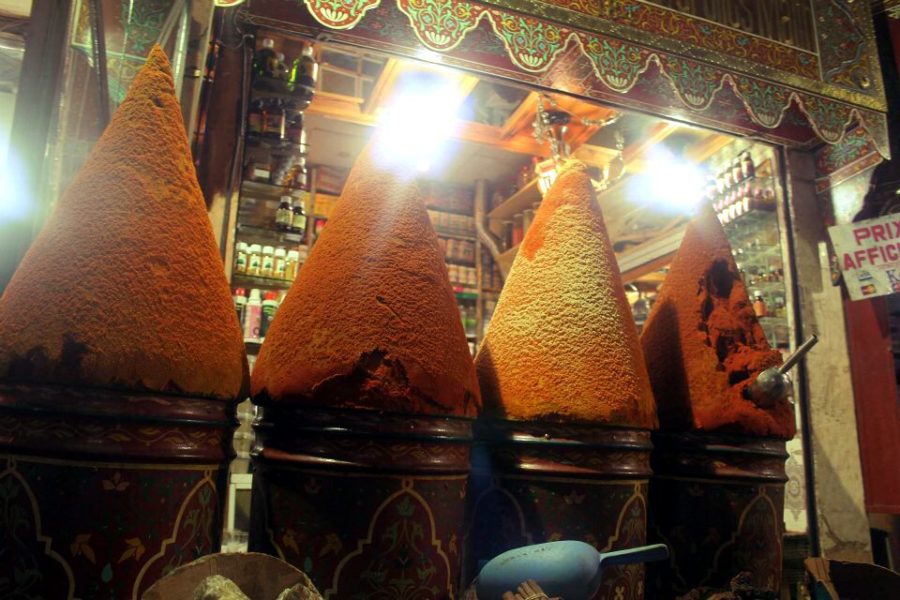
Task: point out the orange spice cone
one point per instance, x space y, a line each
562 345
371 321
566 454
121 360
364 375
124 286
704 345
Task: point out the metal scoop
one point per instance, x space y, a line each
774 384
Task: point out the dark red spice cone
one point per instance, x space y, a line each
120 362
704 345
717 495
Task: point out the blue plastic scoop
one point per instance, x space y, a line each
569 570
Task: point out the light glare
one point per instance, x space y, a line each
417 123
669 183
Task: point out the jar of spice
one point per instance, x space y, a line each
254 259
240 258
279 269
291 265
267 266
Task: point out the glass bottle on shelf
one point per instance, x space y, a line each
279 67
267 266
291 265
737 173
240 258
275 119
747 166
255 116
278 272
284 214
240 304
253 316
759 305
298 218
254 259
264 58
302 78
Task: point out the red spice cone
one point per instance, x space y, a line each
124 286
562 345
704 345
371 321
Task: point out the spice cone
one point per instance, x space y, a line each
371 321
562 345
124 286
704 345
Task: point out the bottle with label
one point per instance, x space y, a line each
267 312
255 116
280 263
254 259
267 266
240 258
747 166
284 214
279 67
264 58
298 218
240 304
253 316
302 78
759 305
291 265
274 119
737 174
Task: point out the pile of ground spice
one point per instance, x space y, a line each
124 286
562 345
371 321
704 345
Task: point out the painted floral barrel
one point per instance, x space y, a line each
102 492
717 501
538 482
368 504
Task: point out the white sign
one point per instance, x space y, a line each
868 254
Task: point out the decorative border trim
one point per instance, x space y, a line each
534 44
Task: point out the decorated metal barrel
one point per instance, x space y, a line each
105 492
367 504
367 390
563 446
121 361
717 501
717 494
537 482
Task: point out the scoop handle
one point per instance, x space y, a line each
799 353
628 556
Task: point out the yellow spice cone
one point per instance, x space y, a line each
562 344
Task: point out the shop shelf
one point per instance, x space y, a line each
260 282
456 236
458 261
523 199
257 139
266 189
269 233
